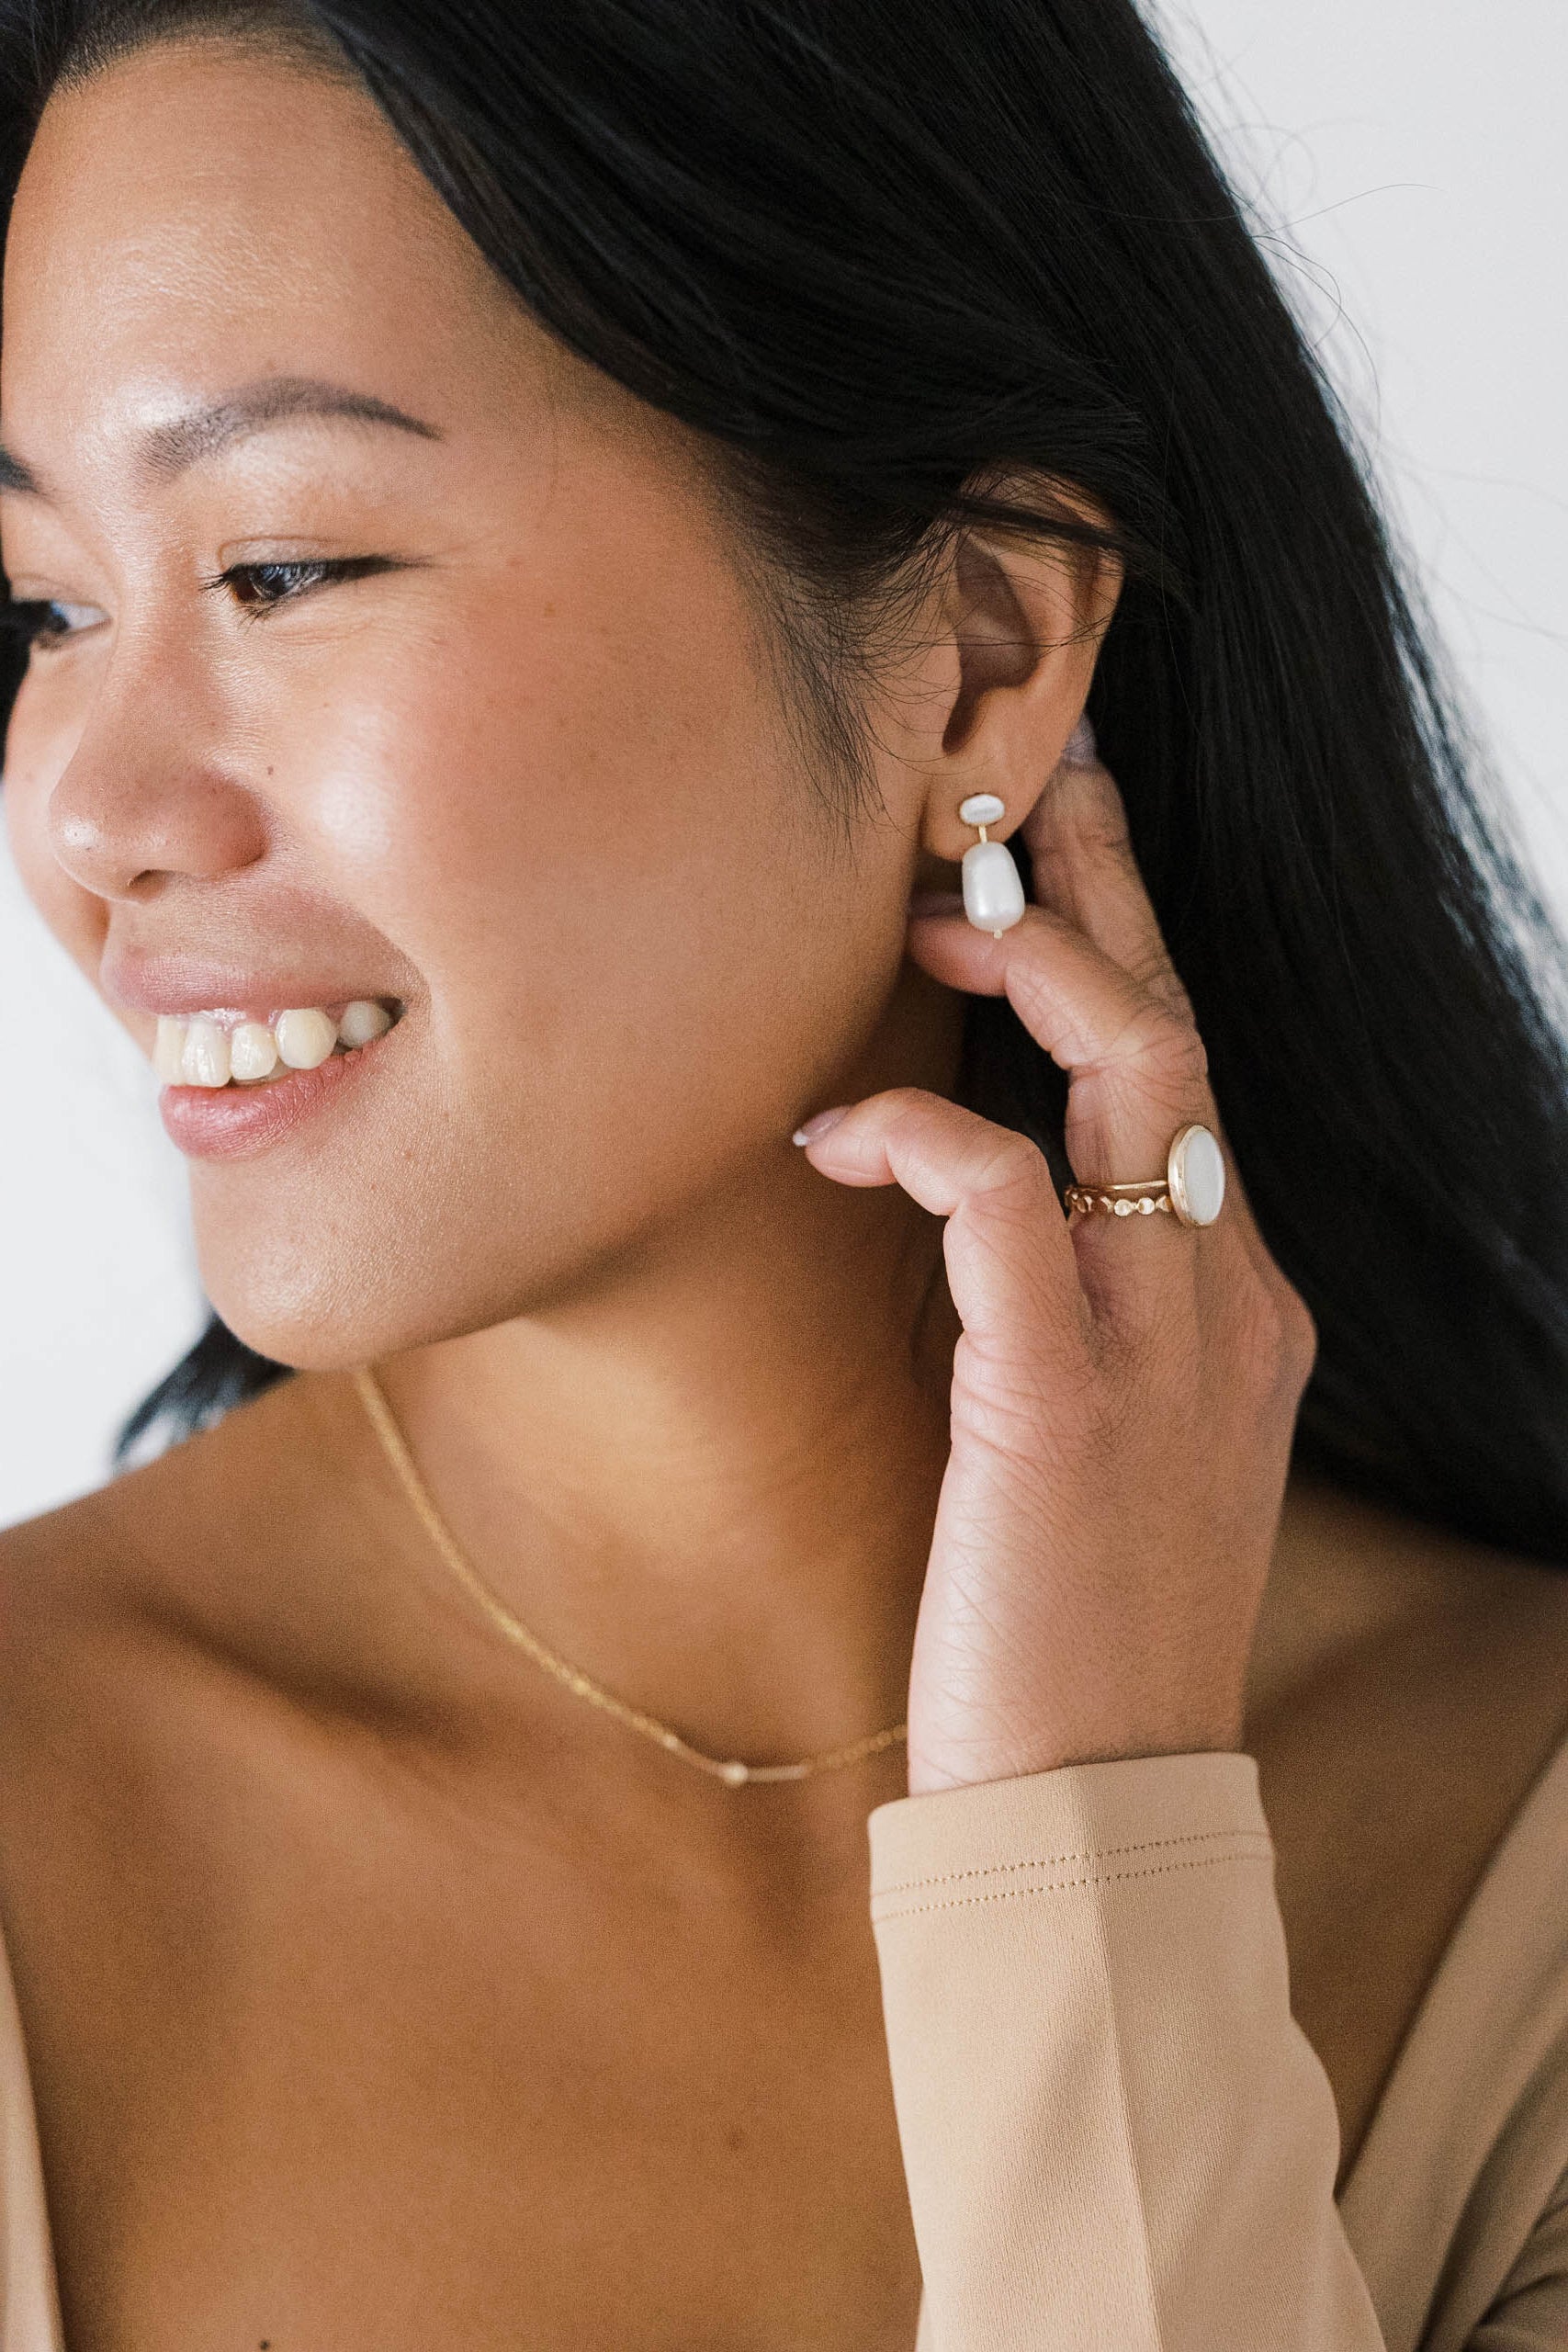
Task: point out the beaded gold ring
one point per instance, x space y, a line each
1118 1199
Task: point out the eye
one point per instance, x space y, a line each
47 623
259 588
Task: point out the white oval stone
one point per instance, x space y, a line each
204 1061
1196 1174
363 1021
304 1037
981 808
252 1051
993 891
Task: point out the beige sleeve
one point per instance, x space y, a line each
1530 2313
29 2307
1114 2133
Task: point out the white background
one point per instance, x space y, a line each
1410 154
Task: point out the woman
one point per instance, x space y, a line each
548 541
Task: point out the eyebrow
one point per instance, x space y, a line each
206 432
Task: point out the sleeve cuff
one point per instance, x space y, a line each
1082 1825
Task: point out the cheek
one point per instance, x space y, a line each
565 793
590 833
640 948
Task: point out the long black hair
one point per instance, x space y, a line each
893 256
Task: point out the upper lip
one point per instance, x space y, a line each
181 986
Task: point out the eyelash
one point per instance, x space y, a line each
32 623
257 588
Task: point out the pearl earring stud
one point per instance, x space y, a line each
993 891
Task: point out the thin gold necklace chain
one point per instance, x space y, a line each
572 1678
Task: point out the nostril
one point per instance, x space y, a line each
123 828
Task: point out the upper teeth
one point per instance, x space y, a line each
201 1052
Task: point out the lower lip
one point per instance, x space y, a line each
240 1122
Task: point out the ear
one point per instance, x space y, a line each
1018 627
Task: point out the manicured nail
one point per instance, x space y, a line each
937 902
1080 749
822 1125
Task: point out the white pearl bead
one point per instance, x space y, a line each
993 893
304 1037
1196 1174
981 808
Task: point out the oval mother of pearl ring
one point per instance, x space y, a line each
993 889
1195 1172
1193 1189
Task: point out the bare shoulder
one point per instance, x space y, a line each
131 1549
1410 1687
212 1554
1411 1633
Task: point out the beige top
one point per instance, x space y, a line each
1116 2137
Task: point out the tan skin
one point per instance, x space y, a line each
371 1984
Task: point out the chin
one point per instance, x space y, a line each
332 1299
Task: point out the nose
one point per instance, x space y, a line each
147 797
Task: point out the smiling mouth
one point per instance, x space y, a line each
230 1049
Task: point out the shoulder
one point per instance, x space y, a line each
114 1561
244 1564
163 1547
183 1563
1406 1633
1411 1689
1411 1685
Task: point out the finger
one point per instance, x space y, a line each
1010 1259
1135 1063
1084 869
1126 1101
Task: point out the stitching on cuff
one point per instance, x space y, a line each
1053 1862
1057 1886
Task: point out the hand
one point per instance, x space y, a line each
1124 1390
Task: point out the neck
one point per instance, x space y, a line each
710 1480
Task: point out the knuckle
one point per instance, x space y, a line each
1015 1164
1092 813
1301 1342
1277 1340
909 1101
1171 1044
1159 979
906 1113
1156 1036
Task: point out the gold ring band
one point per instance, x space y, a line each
1083 1200
1192 1189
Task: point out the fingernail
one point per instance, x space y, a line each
937 902
822 1125
1080 749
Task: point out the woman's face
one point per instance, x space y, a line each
398 656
